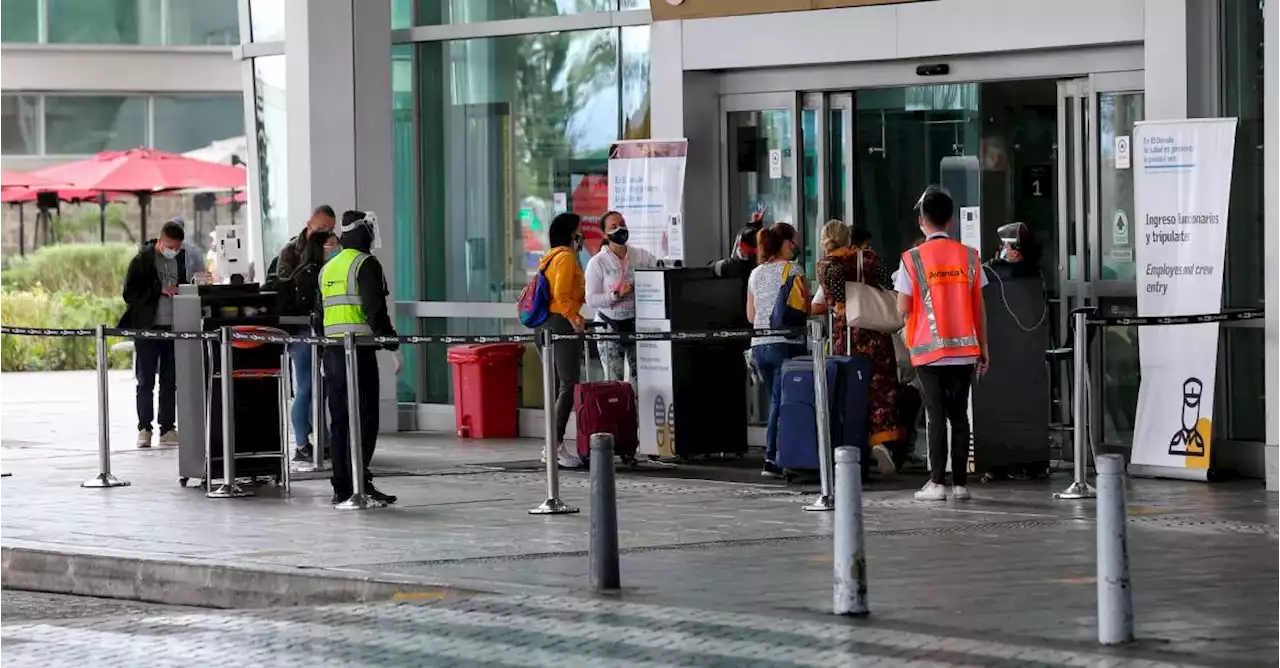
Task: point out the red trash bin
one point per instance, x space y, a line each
486 381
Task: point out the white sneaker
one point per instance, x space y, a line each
884 460
960 493
169 439
144 438
568 458
565 457
932 491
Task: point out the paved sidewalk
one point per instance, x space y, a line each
516 631
1013 565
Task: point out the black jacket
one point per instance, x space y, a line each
142 286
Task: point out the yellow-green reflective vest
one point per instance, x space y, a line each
343 309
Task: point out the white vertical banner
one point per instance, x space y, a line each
1182 188
646 186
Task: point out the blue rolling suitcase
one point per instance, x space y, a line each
851 417
797 421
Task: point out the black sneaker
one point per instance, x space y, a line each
380 496
339 498
302 453
771 470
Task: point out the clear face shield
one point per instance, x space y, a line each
1011 238
369 220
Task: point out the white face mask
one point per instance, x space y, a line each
169 253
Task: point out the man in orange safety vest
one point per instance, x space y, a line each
939 285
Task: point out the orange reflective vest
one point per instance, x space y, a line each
946 297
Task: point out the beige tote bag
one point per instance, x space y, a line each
869 307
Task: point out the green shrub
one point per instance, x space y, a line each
78 269
39 308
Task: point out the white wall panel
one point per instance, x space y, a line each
1165 27
912 30
132 69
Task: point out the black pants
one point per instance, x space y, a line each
945 391
152 358
567 357
335 389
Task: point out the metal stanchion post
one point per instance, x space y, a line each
817 341
1115 596
104 477
360 498
228 489
604 515
285 382
851 552
1079 487
553 505
319 420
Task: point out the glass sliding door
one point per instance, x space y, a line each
1095 218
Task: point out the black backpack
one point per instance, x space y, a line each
300 293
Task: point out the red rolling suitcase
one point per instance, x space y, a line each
606 406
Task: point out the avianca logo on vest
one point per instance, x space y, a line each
947 274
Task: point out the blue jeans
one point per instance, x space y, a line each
300 413
769 359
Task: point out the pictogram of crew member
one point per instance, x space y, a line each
354 292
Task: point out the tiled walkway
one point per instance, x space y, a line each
1013 565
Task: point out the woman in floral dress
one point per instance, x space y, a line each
840 265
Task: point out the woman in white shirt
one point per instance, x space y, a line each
611 280
778 250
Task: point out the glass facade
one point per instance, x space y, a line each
19 124
87 124
442 12
186 123
142 22
270 135
267 19
1242 97
21 21
74 124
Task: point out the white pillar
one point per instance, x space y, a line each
1165 59
338 55
1271 239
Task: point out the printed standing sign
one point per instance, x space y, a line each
656 383
646 186
1182 187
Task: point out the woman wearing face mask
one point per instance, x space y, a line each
611 276
568 294
778 248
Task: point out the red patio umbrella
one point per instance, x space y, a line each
144 172
10 180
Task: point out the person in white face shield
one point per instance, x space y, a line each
353 291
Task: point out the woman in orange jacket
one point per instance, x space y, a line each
568 294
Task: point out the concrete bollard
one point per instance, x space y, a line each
604 515
851 553
1115 593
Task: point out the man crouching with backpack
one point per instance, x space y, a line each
298 271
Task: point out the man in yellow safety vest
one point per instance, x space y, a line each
353 291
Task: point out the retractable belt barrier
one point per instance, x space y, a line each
1162 320
1082 320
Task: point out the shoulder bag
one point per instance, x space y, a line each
869 307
